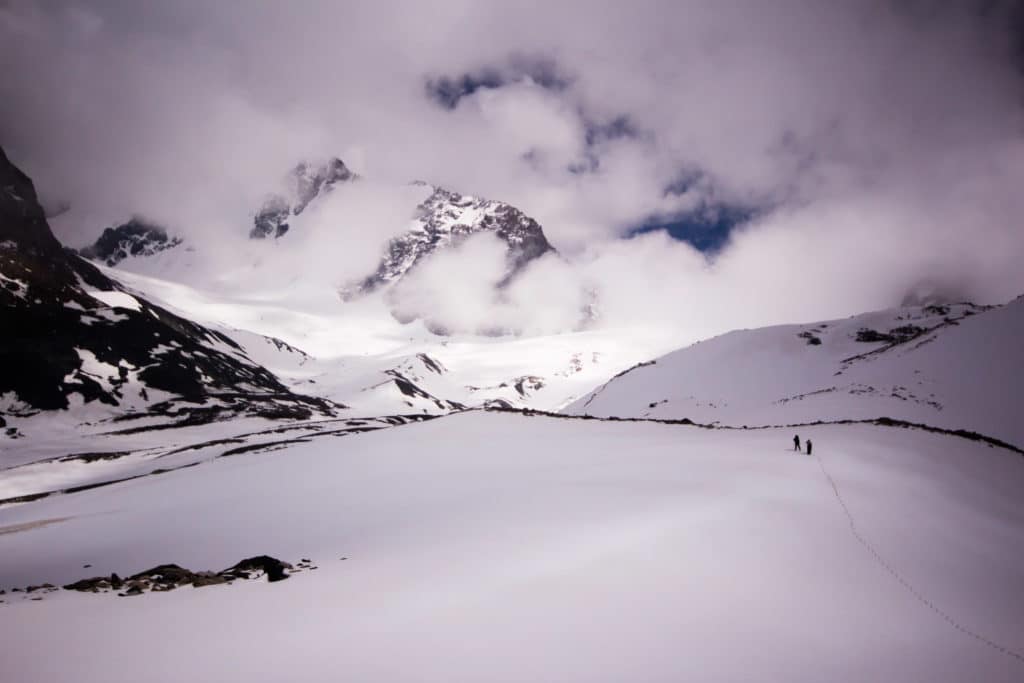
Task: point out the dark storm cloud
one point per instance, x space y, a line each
878 141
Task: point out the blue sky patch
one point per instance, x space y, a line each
706 229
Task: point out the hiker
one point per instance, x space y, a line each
809 446
796 442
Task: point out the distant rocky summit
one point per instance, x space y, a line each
304 183
134 238
445 219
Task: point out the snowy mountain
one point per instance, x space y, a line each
134 238
445 219
435 225
304 183
950 366
73 336
155 429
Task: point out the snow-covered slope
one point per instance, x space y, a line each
954 367
350 353
74 338
483 547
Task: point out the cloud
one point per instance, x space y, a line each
447 91
878 142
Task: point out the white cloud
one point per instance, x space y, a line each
883 140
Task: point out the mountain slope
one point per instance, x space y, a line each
72 335
955 367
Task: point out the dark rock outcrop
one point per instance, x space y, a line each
167 577
134 238
271 566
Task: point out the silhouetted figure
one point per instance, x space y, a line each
796 443
809 445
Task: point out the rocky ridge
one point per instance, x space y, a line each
134 238
446 218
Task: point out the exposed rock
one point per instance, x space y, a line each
164 574
168 577
305 183
201 579
446 219
271 566
811 338
134 238
528 383
897 335
93 585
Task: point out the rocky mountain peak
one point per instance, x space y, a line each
22 221
444 219
134 238
304 183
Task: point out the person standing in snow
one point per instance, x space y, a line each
796 442
809 446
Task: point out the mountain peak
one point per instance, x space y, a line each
446 218
304 183
137 237
22 220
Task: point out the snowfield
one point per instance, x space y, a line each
956 367
344 352
501 547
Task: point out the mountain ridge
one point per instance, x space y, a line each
950 366
77 335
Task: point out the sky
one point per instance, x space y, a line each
711 163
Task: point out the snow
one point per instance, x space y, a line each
116 299
346 349
15 286
965 374
506 548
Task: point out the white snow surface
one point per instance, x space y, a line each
497 547
346 349
964 374
116 299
